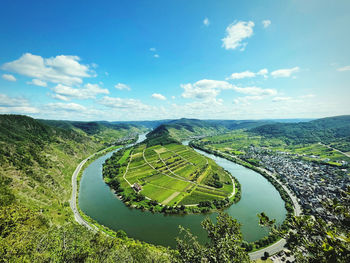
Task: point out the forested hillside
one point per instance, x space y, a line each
332 130
100 131
37 159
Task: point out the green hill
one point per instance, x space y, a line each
183 129
40 156
170 174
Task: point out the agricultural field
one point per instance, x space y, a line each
171 175
238 142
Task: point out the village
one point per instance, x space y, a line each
313 183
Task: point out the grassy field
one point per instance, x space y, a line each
171 175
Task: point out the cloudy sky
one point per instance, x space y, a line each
159 59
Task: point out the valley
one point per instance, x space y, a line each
135 183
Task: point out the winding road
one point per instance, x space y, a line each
73 200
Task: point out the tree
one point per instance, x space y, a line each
264 220
225 243
313 240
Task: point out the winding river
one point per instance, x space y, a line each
258 195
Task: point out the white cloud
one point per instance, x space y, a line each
88 92
153 50
173 97
346 68
9 77
66 106
256 91
60 69
248 74
204 89
38 82
15 105
236 33
263 72
60 97
284 73
194 92
122 86
11 102
242 75
206 22
123 104
158 96
207 89
278 99
266 23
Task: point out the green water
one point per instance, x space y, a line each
258 195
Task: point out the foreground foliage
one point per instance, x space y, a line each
314 240
225 243
28 236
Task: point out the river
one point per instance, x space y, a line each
258 195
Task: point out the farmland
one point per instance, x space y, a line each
172 175
238 142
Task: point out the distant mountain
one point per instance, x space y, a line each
182 129
324 130
239 124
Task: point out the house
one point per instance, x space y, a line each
137 187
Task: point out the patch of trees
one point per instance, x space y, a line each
6 195
214 181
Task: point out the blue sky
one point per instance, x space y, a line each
136 60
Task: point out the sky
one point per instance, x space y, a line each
161 59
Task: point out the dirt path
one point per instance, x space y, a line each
126 171
166 201
346 154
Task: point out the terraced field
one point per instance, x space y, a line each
174 175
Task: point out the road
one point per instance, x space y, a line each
346 154
73 201
273 249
